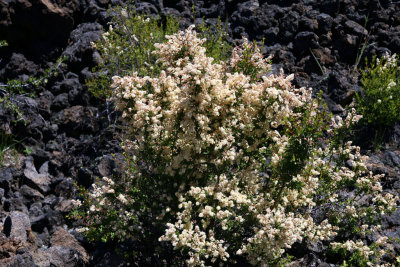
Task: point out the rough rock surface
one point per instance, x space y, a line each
72 135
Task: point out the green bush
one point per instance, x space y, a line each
379 101
127 47
228 163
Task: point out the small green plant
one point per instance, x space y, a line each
8 145
7 103
15 87
5 145
216 37
3 43
379 101
28 150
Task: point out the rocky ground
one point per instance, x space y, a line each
73 136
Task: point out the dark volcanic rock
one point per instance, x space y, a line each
304 41
73 135
37 27
44 103
394 219
80 52
65 187
391 158
111 165
355 28
62 238
96 10
71 82
85 177
17 67
78 120
146 8
60 102
394 45
324 22
106 166
39 223
341 87
7 224
13 253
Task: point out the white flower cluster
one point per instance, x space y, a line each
210 128
365 251
352 246
390 61
196 114
102 204
252 54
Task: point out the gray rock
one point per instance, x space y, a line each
146 8
60 256
44 102
64 239
35 210
22 260
41 180
30 194
394 219
65 205
19 65
17 225
67 85
391 158
324 22
60 102
106 166
6 177
355 28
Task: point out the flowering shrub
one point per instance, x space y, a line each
229 162
379 102
128 44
